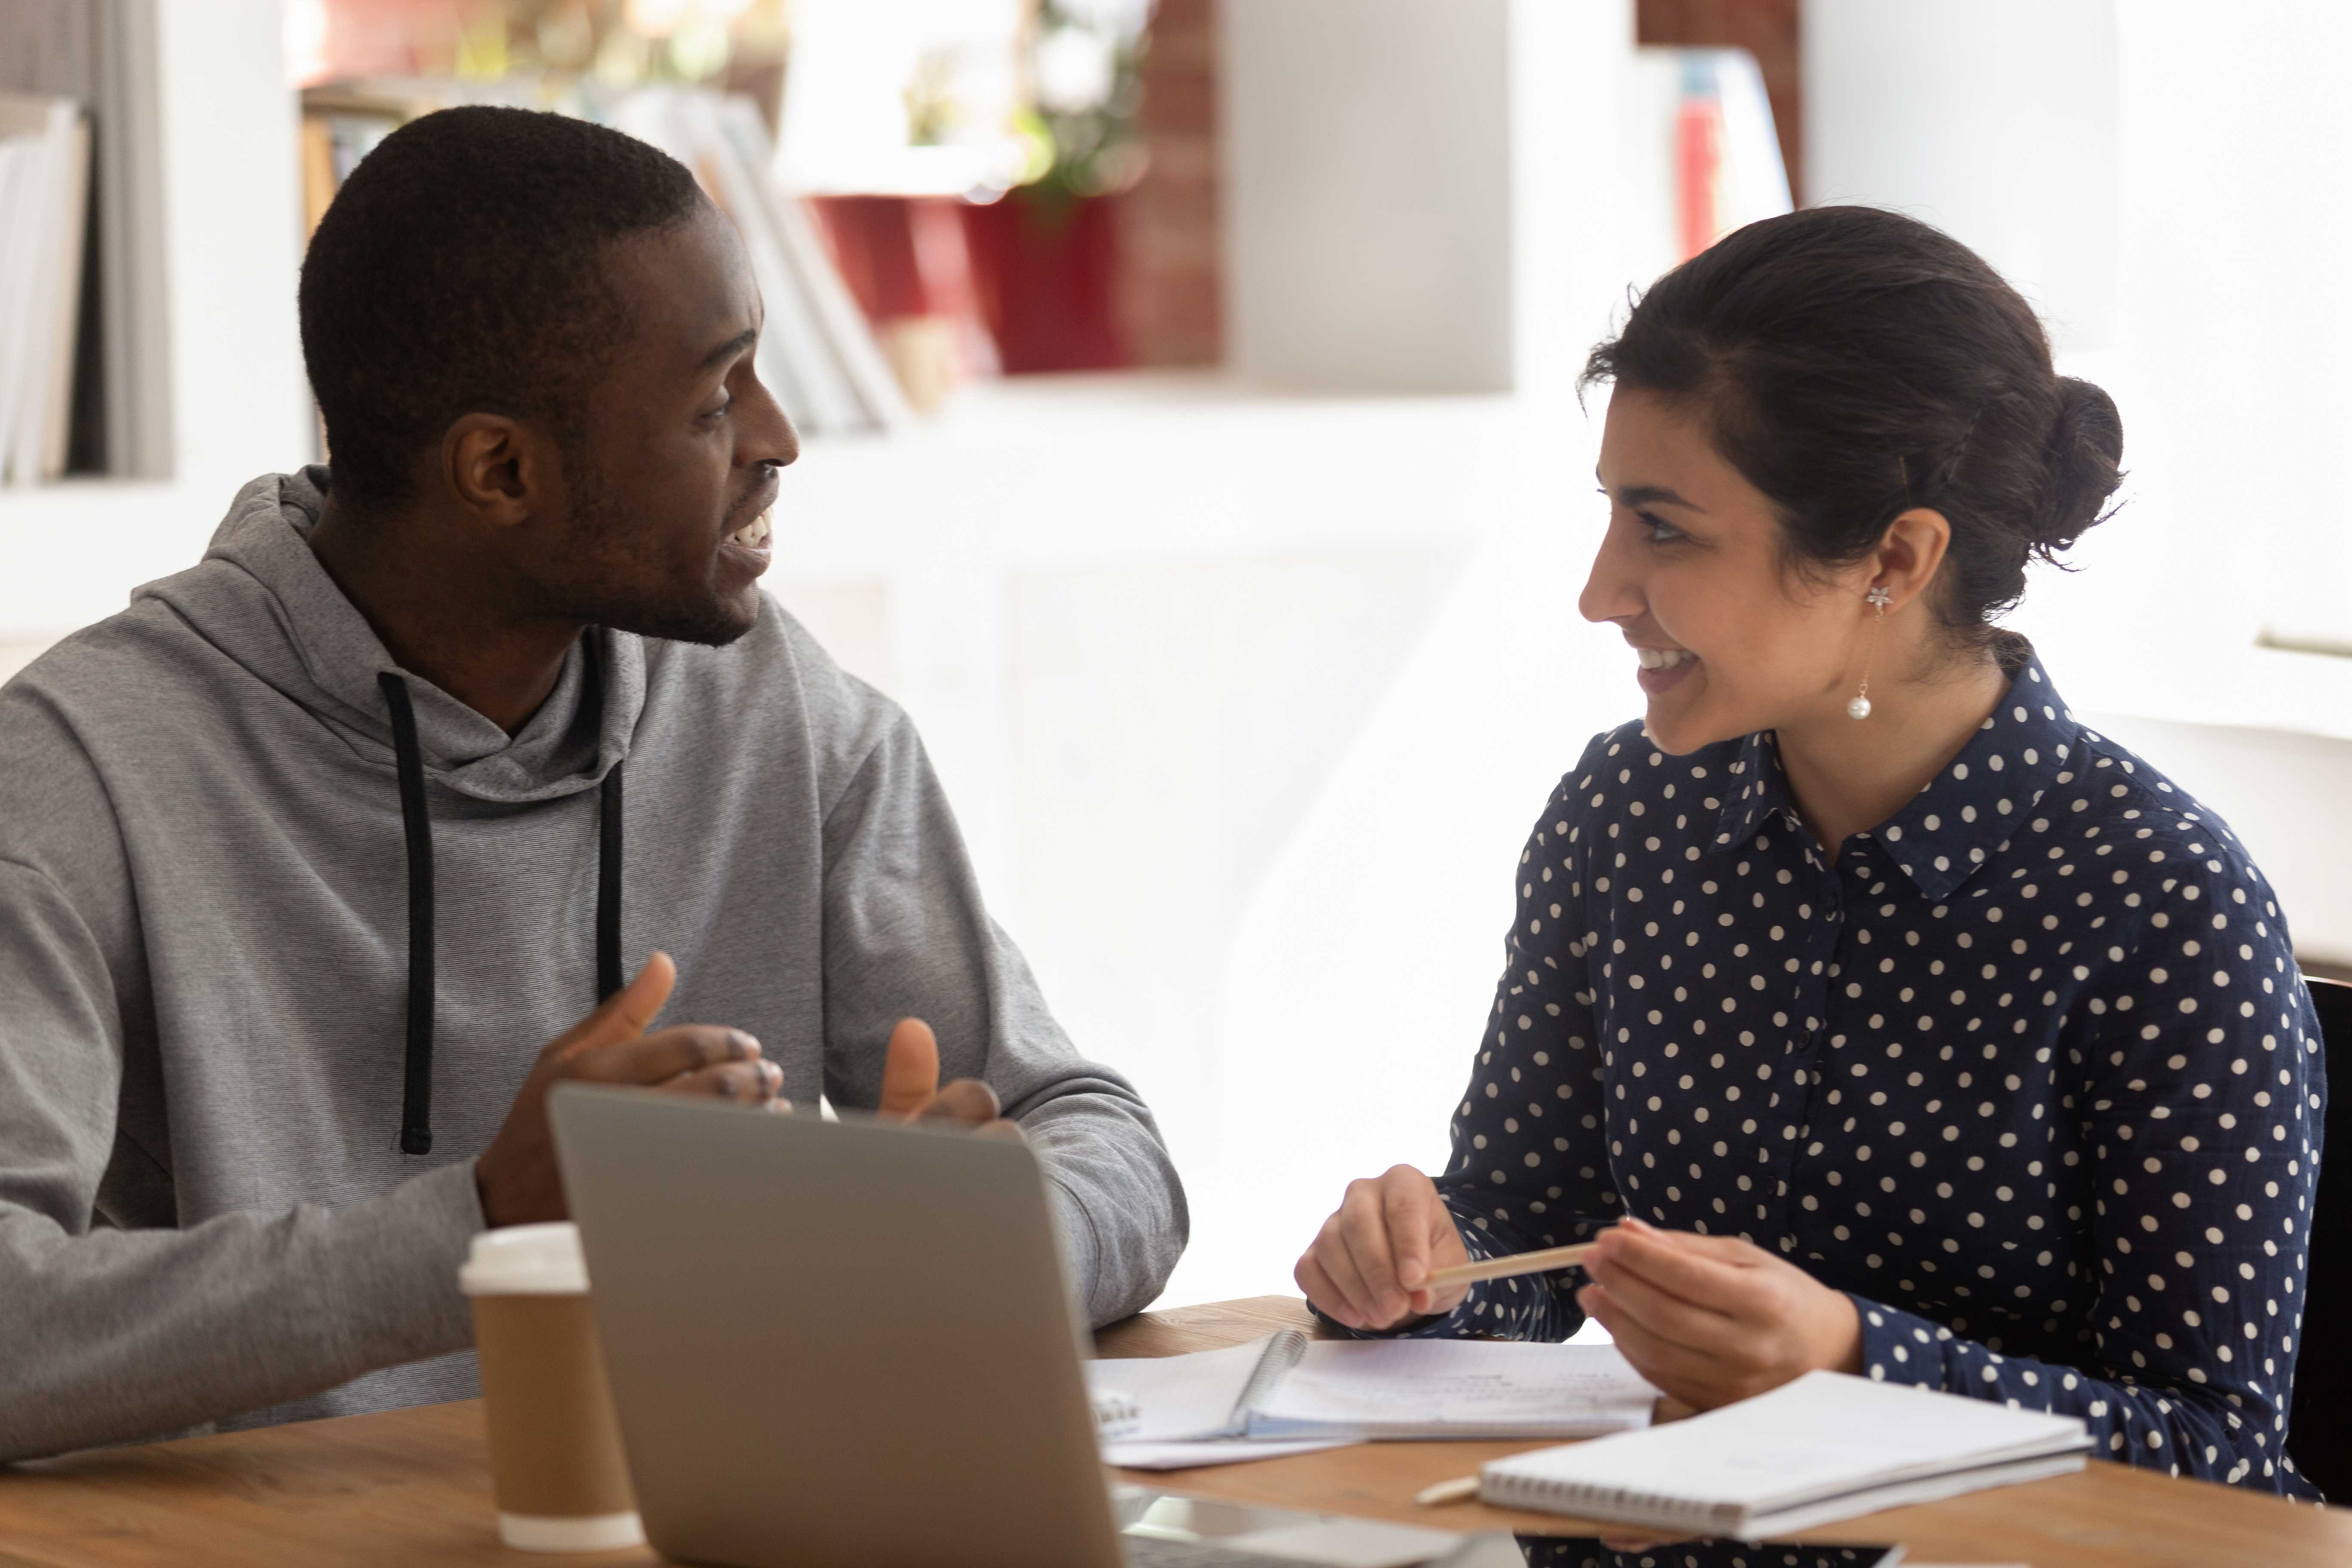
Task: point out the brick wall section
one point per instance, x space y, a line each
1765 28
1172 295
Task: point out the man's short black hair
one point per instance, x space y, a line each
457 272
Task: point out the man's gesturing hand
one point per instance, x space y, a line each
516 1174
911 1090
1370 1263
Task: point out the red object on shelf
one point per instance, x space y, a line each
1048 273
906 263
901 255
1698 159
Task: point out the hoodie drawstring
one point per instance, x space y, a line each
608 886
416 823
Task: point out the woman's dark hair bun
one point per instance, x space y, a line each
1853 364
2086 451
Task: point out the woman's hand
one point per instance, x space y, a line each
1370 1263
1711 1319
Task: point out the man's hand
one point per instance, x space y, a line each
1370 1263
516 1174
911 1091
1711 1319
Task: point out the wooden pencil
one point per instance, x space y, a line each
1542 1262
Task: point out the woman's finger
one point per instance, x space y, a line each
1340 1265
1681 1373
1697 1268
1321 1290
1364 1232
1407 1199
1696 1326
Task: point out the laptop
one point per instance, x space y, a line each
851 1343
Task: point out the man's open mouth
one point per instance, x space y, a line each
753 535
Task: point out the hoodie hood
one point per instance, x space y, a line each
262 599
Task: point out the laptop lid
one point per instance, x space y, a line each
838 1343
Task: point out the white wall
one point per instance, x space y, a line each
1418 192
1568 104
1993 120
1368 193
2236 156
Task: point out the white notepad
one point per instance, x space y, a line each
1825 1447
1288 1387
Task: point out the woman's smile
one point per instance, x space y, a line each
1664 668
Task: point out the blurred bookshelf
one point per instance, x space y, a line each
82 337
186 375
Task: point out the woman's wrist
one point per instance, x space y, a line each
1842 1349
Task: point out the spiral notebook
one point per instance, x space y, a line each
1826 1446
1289 1387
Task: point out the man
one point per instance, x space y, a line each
307 856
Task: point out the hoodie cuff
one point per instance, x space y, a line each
394 1283
1081 1247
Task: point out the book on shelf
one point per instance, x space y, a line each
1698 155
85 375
45 152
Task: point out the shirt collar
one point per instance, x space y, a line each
1757 793
2025 746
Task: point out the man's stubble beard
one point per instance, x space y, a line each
608 531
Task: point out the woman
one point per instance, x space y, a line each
1873 1013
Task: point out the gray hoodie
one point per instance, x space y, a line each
205 1213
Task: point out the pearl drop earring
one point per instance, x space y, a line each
1878 599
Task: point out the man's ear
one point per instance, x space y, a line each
496 468
1909 555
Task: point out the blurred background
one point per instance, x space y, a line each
1193 440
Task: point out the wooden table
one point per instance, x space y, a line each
413 1486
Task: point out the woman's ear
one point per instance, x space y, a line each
1909 553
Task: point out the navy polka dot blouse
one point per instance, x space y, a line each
2028 1072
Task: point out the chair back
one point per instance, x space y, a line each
2319 1430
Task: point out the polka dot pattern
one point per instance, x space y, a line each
2030 1073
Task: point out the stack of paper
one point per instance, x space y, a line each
1826 1446
1289 1394
44 204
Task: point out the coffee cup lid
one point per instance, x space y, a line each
526 1261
